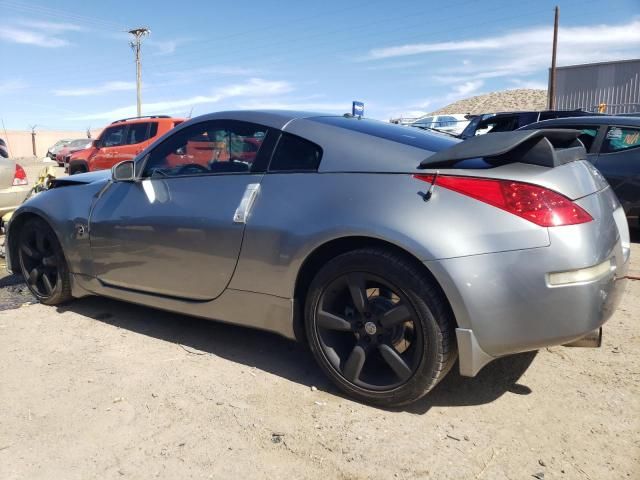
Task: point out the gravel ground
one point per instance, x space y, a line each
102 389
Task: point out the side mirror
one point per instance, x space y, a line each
123 172
96 143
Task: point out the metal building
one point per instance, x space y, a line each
607 87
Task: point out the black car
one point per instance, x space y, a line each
508 121
613 146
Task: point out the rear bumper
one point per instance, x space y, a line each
12 198
504 302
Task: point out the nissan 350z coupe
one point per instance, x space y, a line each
392 251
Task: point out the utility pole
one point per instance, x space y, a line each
33 139
552 79
138 34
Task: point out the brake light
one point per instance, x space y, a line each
20 177
537 204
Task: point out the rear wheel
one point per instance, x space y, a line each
379 327
42 263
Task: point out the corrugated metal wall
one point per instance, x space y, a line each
616 84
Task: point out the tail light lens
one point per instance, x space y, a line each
537 204
20 177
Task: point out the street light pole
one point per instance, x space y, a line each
138 34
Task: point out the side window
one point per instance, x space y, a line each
620 138
137 133
113 136
295 154
588 134
205 148
153 130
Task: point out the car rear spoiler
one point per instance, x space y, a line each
545 147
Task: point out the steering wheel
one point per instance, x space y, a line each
191 168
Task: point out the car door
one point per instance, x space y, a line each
111 139
619 161
178 229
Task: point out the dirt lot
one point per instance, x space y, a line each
102 389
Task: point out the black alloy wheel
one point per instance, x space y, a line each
379 327
368 332
42 263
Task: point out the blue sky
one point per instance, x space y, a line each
67 64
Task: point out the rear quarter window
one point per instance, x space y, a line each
295 154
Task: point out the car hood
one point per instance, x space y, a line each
81 179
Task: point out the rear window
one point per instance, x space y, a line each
413 137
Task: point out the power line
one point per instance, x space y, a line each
60 14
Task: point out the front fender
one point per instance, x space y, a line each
67 210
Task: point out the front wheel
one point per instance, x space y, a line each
42 262
379 327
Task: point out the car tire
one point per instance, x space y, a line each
43 264
76 169
391 348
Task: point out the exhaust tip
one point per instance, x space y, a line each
593 339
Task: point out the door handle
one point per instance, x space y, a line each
243 210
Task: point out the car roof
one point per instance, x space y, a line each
269 118
150 118
594 120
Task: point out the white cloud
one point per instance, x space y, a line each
335 107
52 27
465 89
97 90
602 37
254 88
28 37
40 33
10 86
165 47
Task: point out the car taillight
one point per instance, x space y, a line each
537 204
20 177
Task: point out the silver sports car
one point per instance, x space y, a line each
392 251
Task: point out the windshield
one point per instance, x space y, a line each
80 143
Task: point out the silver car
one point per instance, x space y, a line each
392 251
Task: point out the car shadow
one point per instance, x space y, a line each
289 359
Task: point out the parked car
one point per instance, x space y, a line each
13 182
59 145
453 123
613 146
509 121
392 251
73 146
122 140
